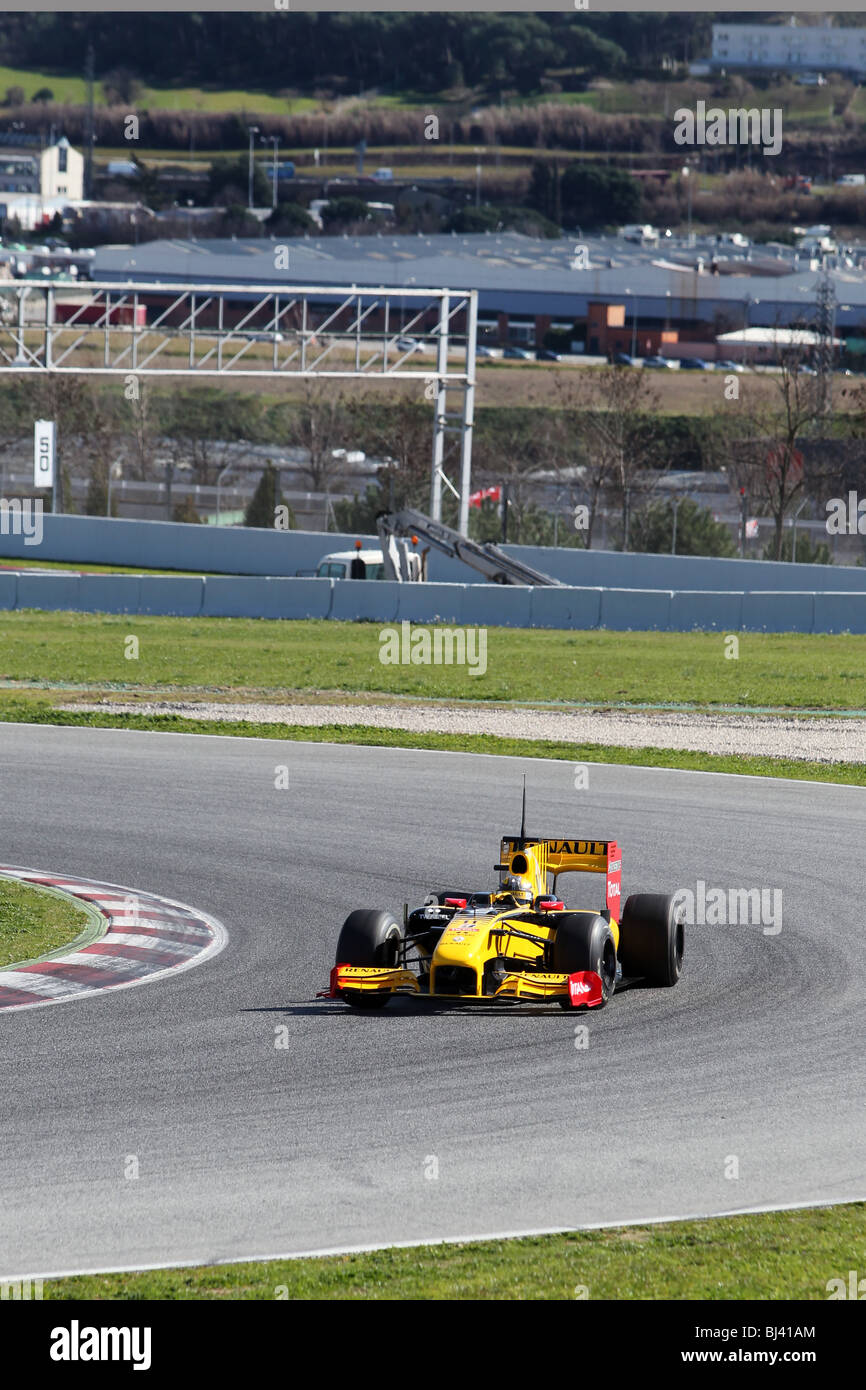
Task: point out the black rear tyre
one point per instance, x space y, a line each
584 941
369 937
652 937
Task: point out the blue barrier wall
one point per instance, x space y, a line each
612 569
160 545
468 605
243 550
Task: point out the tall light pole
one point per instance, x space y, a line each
676 507
794 531
89 125
687 175
253 130
744 512
275 141
219 484
115 471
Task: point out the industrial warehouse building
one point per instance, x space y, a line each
604 295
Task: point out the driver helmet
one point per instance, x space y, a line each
519 888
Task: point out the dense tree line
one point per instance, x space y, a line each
426 52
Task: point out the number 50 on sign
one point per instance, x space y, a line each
43 453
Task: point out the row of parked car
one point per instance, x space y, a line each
519 354
696 364
686 364
516 354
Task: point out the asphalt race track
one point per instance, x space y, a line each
245 1148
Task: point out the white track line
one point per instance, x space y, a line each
477 1237
378 749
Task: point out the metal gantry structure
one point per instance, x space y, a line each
162 329
825 327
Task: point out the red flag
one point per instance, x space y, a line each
485 494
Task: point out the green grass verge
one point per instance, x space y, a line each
73 89
34 922
785 671
24 708
778 1255
7 562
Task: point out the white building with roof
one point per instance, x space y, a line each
61 171
38 180
792 48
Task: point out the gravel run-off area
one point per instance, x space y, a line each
820 740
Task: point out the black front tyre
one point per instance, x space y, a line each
365 999
369 937
584 941
652 937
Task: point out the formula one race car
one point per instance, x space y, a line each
517 942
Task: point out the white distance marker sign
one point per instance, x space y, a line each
43 453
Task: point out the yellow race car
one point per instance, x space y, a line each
517 941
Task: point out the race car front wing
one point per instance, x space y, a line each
583 988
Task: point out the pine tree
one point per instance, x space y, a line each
261 510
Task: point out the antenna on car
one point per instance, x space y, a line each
523 817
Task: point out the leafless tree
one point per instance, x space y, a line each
141 435
400 431
767 462
318 425
611 412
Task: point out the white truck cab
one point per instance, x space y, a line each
339 564
640 232
403 562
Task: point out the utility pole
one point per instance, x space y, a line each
676 507
89 136
744 509
687 175
275 141
794 530
253 130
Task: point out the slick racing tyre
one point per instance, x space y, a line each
369 937
584 941
651 937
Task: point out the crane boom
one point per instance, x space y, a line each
488 559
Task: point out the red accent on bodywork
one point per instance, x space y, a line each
333 991
455 902
550 905
613 881
585 989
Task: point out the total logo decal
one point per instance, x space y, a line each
133 937
585 989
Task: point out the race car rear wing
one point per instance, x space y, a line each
557 856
